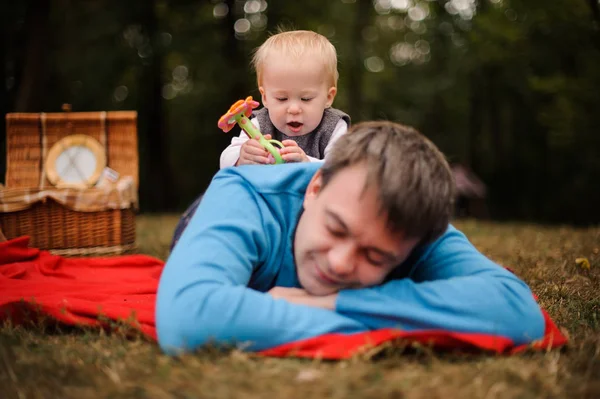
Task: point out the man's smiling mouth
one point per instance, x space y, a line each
323 277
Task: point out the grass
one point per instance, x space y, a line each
57 362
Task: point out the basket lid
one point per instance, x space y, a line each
31 136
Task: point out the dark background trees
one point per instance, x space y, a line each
509 88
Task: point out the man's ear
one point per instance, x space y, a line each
331 96
263 96
313 189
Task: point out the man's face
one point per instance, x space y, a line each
341 240
295 93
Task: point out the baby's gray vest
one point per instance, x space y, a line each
313 143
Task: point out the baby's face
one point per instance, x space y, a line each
295 92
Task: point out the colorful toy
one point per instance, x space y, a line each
239 113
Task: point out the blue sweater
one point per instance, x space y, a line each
238 245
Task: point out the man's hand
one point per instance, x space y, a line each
252 153
301 297
291 152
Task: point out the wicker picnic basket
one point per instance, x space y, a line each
70 221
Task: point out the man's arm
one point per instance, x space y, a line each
452 286
203 295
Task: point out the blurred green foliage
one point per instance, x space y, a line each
509 88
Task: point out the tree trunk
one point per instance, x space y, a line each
156 189
434 123
31 85
238 65
494 118
356 70
235 59
595 8
475 123
4 109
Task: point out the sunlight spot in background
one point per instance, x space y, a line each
401 53
252 6
220 10
418 12
420 58
253 20
181 83
418 27
120 93
415 11
180 73
183 87
464 8
450 8
422 46
394 22
189 85
135 38
242 26
133 35
383 6
259 21
374 64
254 12
401 5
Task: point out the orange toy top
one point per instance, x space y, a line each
227 121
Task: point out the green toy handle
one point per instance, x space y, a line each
279 143
254 133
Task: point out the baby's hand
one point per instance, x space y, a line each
252 153
291 152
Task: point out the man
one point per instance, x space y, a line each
276 254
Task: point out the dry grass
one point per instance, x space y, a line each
44 362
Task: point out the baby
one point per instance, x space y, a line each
297 78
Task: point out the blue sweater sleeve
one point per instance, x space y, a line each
203 295
451 286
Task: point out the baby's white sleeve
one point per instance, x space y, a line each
340 129
231 154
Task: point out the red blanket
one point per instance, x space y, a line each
102 291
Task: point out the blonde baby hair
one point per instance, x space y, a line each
297 44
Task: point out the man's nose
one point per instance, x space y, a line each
342 259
